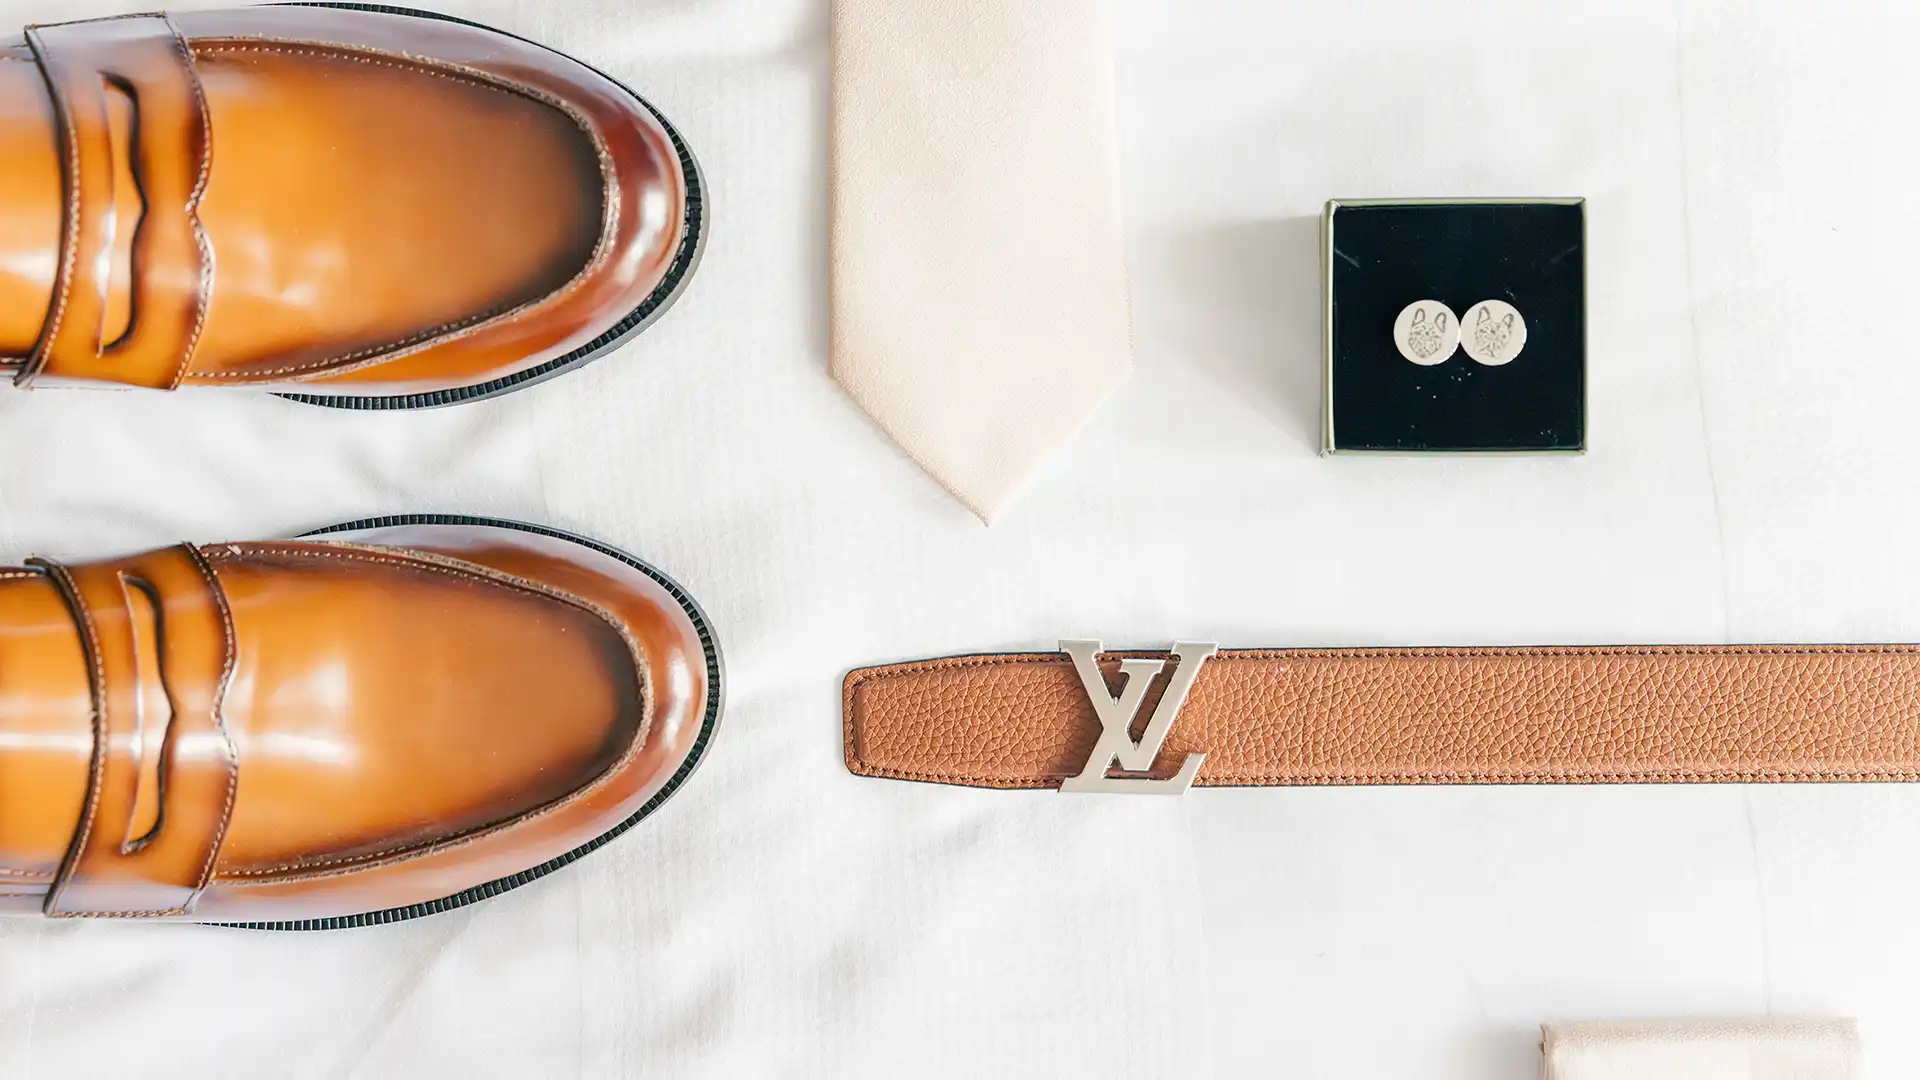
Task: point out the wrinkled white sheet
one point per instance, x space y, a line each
1754 378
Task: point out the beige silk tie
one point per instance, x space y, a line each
1778 1048
979 293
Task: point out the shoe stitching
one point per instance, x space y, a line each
347 552
70 590
192 207
37 363
228 664
97 767
69 242
459 329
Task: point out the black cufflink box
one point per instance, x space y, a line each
1380 255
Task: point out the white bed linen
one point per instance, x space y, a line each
1754 378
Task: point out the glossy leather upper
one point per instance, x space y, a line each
301 730
330 200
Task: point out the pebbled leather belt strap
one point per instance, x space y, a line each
1619 714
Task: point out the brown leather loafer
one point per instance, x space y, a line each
349 206
391 718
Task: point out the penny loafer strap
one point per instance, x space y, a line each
159 645
144 59
1749 713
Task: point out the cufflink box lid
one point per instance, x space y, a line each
1380 255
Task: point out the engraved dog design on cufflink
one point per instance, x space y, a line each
1424 336
1426 332
1491 337
1498 332
1116 746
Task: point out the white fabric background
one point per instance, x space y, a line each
1754 375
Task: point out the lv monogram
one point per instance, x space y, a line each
1116 745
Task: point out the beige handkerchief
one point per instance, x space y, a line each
1812 1048
979 292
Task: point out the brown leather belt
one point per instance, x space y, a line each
1618 714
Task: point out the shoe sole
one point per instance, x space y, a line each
692 245
709 722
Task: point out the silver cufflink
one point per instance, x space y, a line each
1426 332
1492 332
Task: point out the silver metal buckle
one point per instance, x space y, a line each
1116 746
